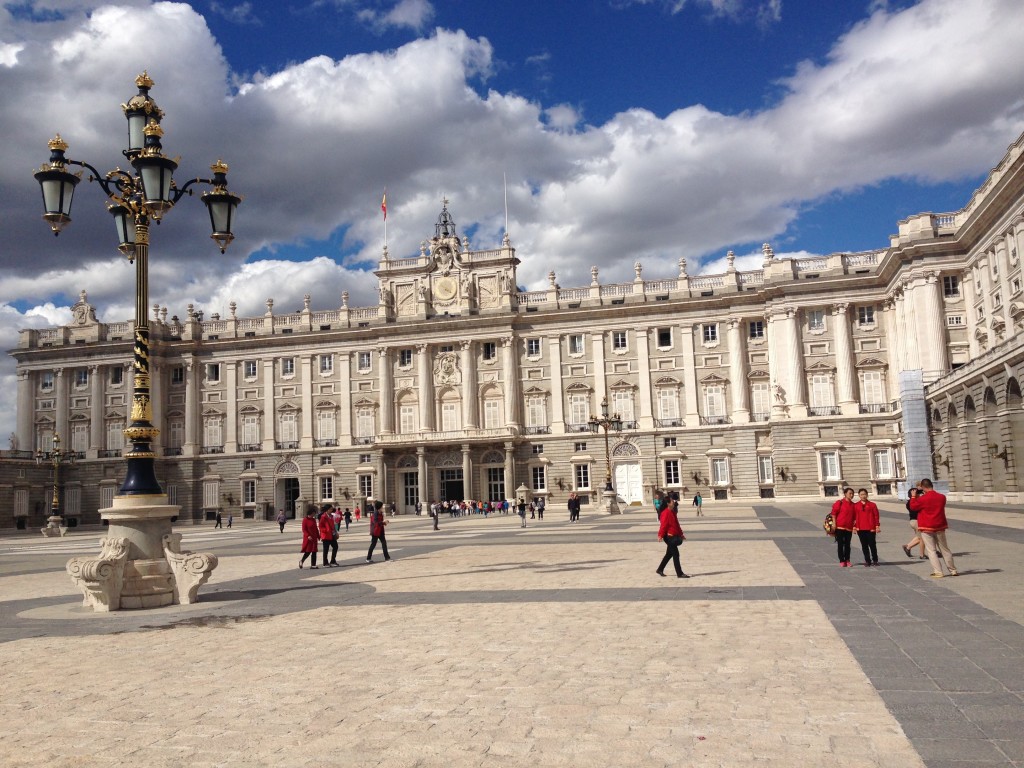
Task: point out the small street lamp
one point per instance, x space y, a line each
140 513
606 422
56 458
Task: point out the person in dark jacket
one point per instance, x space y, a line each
310 537
574 508
845 515
377 525
917 540
671 533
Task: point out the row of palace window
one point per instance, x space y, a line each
81 377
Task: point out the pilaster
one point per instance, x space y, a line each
844 359
738 373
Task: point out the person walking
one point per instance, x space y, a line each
917 540
698 502
932 525
219 523
231 518
671 533
845 515
310 537
282 518
521 506
540 508
659 503
377 525
329 535
868 526
435 512
575 506
348 518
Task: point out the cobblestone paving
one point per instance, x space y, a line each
485 644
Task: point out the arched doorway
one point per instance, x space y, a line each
629 481
992 442
286 488
1015 433
975 478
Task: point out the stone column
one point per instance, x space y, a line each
912 315
793 361
967 286
421 477
96 410
306 417
426 388
557 393
510 374
26 440
985 272
1002 258
600 383
738 373
900 326
387 391
510 478
470 395
645 415
933 341
156 393
467 474
192 414
891 339
269 411
775 376
344 425
61 396
231 406
845 376
692 415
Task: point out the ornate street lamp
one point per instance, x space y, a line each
56 458
135 198
606 422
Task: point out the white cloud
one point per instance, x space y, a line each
915 92
406 14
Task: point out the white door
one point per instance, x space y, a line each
629 483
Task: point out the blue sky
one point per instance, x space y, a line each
628 130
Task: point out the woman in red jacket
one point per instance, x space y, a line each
310 537
845 515
672 534
867 527
328 535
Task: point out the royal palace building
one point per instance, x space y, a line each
791 380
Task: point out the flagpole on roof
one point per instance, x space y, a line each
384 210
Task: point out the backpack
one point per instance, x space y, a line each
830 524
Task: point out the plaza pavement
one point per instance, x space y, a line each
486 644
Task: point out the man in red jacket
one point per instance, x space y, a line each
845 515
867 527
930 506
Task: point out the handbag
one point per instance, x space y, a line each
676 540
830 524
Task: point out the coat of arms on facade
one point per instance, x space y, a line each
446 370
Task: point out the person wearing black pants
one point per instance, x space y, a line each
377 523
845 514
671 533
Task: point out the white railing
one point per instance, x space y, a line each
621 289
403 262
328 316
286 320
808 265
860 259
214 326
250 323
494 253
660 286
752 278
119 329
49 334
573 294
701 283
532 298
944 219
363 313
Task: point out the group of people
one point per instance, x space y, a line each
927 508
321 527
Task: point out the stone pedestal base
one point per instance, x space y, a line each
610 503
54 527
141 564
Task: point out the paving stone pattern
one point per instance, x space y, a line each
485 644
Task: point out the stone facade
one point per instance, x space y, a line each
783 381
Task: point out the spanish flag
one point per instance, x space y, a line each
384 204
